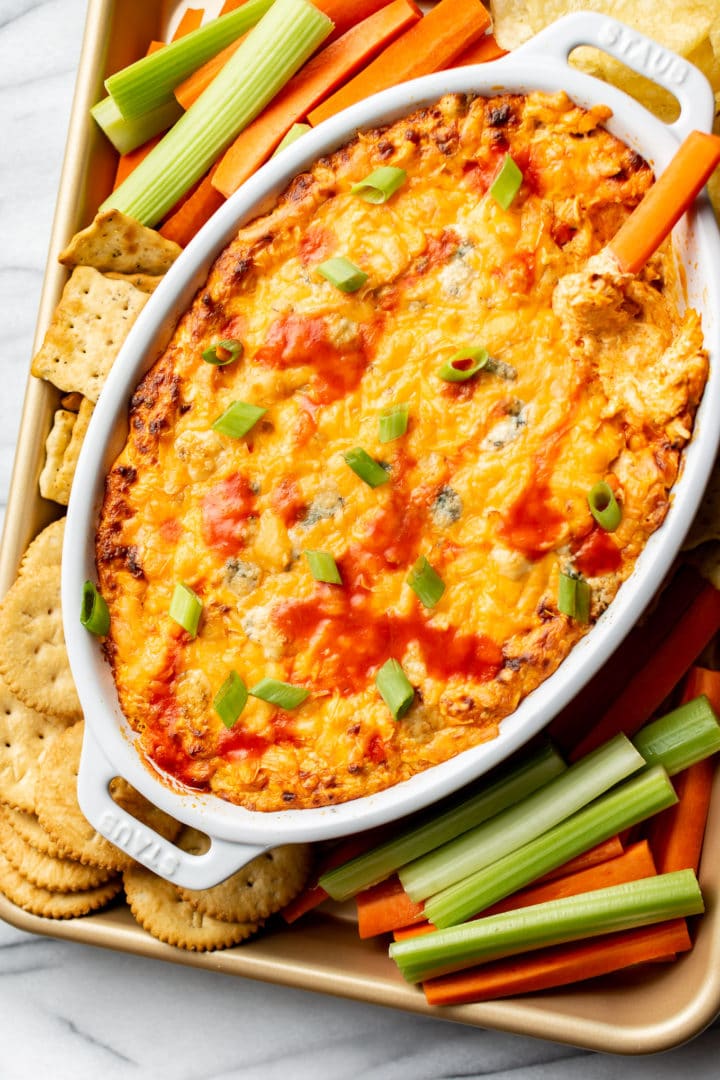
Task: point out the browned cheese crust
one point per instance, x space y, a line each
489 482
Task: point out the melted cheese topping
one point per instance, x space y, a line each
490 481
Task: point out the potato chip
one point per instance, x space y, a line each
33 657
62 452
115 241
26 737
47 871
158 907
87 329
257 890
53 905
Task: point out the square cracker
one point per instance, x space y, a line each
62 450
115 241
89 325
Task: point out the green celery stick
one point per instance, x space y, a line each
280 43
681 737
573 918
124 134
150 81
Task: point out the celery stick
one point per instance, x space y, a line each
633 801
374 866
150 81
603 911
681 737
269 56
518 824
294 133
124 134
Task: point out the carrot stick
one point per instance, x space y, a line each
633 864
651 684
481 52
432 43
190 20
666 201
313 82
560 965
596 697
385 907
192 213
313 894
189 90
676 834
608 849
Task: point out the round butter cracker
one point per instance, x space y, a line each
26 736
160 909
53 905
59 812
47 871
257 890
29 828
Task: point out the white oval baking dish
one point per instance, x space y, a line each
238 834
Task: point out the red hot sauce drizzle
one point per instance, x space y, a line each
226 509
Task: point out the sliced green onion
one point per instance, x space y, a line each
94 612
625 805
238 419
523 822
126 135
393 423
511 785
366 467
282 694
230 699
604 507
574 598
380 185
280 43
463 365
223 352
323 567
571 918
395 688
680 738
186 608
150 81
507 183
293 134
343 274
425 582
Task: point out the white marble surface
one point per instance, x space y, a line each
73 1011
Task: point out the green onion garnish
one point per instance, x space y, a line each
507 183
343 274
603 506
464 364
366 467
393 423
186 608
230 699
238 418
294 133
223 352
574 598
279 693
395 688
94 613
323 567
425 582
380 184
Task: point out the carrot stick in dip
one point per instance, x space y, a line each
666 201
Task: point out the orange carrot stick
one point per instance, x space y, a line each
189 90
432 43
560 965
651 684
385 907
313 82
313 894
608 849
676 834
484 50
190 20
666 201
192 213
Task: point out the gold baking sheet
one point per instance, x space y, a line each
637 1012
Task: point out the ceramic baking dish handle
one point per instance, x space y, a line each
146 846
682 79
